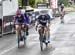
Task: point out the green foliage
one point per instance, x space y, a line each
20 2
31 3
63 1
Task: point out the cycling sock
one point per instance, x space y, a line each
17 37
25 35
48 39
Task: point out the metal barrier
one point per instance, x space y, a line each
6 25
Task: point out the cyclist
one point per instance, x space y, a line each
19 19
26 18
43 21
62 7
62 13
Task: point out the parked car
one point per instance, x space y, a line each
43 11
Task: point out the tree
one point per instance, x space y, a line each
44 1
31 3
24 2
20 2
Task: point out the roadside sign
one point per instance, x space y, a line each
42 5
54 4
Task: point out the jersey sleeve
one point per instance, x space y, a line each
48 18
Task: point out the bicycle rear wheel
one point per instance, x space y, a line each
41 32
41 45
24 37
41 42
18 41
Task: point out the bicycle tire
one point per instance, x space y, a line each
18 42
41 45
19 37
24 38
41 39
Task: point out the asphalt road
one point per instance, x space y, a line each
62 41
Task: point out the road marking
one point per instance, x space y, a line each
29 44
33 35
7 50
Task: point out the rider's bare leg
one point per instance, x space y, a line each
39 31
17 27
47 33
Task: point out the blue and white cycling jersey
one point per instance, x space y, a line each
42 21
48 18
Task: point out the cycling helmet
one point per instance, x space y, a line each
18 12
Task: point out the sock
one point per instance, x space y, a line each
17 38
49 37
25 35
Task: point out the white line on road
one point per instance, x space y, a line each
7 50
30 44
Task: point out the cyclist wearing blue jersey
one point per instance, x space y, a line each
19 19
44 20
62 13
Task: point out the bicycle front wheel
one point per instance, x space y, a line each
41 45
